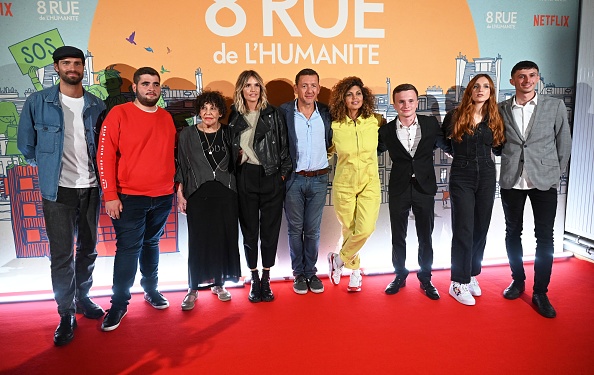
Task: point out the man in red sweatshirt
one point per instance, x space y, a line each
136 166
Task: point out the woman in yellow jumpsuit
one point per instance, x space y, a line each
356 185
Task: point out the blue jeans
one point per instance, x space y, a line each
75 213
138 231
304 204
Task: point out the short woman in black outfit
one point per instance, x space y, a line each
207 194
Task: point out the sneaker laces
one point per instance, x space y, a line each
463 289
460 289
300 279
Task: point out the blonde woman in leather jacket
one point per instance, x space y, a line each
260 147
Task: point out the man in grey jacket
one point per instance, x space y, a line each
536 153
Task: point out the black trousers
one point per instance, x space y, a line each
544 207
74 215
260 212
472 193
422 205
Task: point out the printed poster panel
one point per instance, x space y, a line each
203 45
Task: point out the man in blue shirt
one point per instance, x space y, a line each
56 134
310 135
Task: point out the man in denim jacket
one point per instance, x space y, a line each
56 134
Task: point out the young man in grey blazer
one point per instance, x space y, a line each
536 153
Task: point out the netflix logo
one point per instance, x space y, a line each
5 9
551 20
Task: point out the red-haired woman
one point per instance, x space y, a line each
475 131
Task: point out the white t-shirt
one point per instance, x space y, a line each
76 170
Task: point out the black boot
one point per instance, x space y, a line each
267 295
255 290
65 331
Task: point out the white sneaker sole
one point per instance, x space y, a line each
107 329
464 302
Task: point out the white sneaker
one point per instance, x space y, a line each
334 272
221 292
355 281
474 287
461 293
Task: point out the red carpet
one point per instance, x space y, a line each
331 333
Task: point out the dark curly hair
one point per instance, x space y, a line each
214 98
338 108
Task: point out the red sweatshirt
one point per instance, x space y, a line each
135 152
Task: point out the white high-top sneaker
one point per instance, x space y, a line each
355 281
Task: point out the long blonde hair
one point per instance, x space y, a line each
239 100
463 116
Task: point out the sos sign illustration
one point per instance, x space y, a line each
36 52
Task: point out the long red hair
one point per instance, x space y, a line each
464 116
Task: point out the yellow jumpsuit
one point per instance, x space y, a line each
356 191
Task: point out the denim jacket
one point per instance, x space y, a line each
41 135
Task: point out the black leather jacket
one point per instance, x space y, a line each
271 143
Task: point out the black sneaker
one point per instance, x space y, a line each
156 299
315 284
112 319
300 285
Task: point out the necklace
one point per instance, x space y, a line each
210 148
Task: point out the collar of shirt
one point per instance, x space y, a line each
412 126
533 101
297 108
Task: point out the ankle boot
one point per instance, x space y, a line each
267 295
255 289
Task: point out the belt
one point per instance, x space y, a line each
319 172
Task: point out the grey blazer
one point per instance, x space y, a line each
544 153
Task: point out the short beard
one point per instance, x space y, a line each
147 102
71 81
